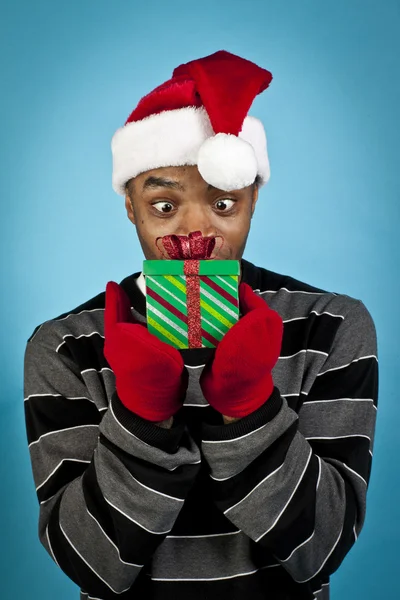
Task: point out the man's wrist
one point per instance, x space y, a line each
167 424
229 420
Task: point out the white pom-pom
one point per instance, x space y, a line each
227 162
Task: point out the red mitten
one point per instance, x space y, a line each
239 380
151 378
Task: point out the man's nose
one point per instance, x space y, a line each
196 220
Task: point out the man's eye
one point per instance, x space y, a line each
224 204
164 207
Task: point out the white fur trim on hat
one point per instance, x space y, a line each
171 139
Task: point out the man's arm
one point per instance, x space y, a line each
110 488
297 484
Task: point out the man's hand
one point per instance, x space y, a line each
151 378
239 380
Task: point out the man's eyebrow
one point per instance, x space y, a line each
156 182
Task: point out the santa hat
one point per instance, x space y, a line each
199 117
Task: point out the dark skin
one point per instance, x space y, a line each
177 200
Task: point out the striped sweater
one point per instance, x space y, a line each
266 507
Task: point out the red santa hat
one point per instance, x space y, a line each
199 117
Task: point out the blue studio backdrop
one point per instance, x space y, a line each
71 72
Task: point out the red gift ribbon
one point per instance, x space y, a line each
191 269
190 248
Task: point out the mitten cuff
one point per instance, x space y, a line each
167 440
265 413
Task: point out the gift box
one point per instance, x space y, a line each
191 303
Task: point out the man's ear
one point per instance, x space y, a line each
255 198
129 208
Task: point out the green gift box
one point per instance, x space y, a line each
191 303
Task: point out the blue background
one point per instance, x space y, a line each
71 72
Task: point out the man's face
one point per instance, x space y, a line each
177 200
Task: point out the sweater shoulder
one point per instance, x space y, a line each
262 280
293 298
84 319
81 319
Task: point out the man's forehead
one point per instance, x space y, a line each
177 178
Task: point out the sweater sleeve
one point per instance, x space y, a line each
110 485
296 483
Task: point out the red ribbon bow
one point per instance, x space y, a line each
187 247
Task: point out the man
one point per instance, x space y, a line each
228 473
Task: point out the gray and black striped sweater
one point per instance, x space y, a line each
264 508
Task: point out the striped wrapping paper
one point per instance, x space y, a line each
191 303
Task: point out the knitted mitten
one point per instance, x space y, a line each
151 378
239 380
